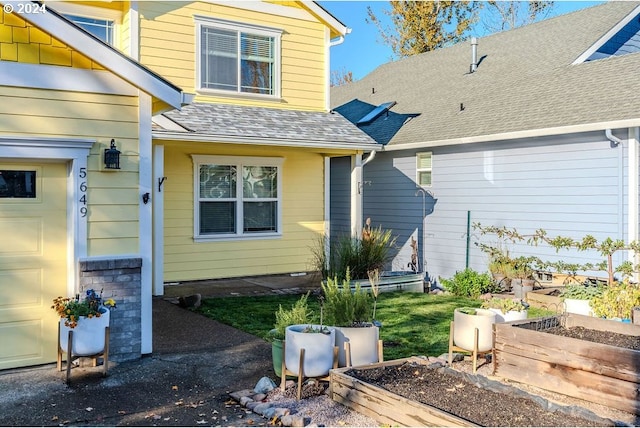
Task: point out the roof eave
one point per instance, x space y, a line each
327 17
262 141
532 133
114 61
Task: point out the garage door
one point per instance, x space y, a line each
33 260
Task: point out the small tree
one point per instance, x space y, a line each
607 248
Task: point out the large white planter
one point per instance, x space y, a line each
510 315
88 335
363 345
578 306
465 325
318 355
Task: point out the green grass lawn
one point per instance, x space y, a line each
412 323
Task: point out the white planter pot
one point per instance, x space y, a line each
363 345
464 329
318 356
578 306
510 315
88 335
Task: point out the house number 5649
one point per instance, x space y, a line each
83 192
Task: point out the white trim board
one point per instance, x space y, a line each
109 58
63 79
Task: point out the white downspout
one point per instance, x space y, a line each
369 158
615 141
633 194
356 195
337 41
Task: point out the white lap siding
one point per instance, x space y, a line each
569 186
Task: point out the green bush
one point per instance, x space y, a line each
346 307
469 283
299 313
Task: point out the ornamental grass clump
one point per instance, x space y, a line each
359 255
71 309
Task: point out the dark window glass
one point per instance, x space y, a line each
17 184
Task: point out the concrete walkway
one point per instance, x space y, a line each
185 382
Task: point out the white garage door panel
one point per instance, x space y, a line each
26 236
33 262
22 352
29 293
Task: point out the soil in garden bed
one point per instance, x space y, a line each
453 393
602 337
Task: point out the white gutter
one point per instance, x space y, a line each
544 132
263 141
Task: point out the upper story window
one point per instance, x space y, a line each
424 167
102 22
238 58
101 28
237 197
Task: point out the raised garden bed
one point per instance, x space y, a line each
410 392
546 298
527 352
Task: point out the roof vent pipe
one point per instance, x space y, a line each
474 55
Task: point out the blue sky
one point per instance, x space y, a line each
362 50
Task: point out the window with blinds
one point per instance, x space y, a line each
238 59
424 168
237 197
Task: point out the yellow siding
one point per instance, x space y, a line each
22 42
303 213
112 196
168 39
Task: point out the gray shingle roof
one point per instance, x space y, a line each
525 81
264 124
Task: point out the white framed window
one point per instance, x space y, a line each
101 22
424 167
237 58
237 197
101 28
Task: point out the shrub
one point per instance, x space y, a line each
469 283
299 313
617 300
344 306
581 291
505 305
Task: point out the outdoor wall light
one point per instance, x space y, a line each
112 157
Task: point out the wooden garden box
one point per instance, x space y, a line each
604 374
545 300
384 406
